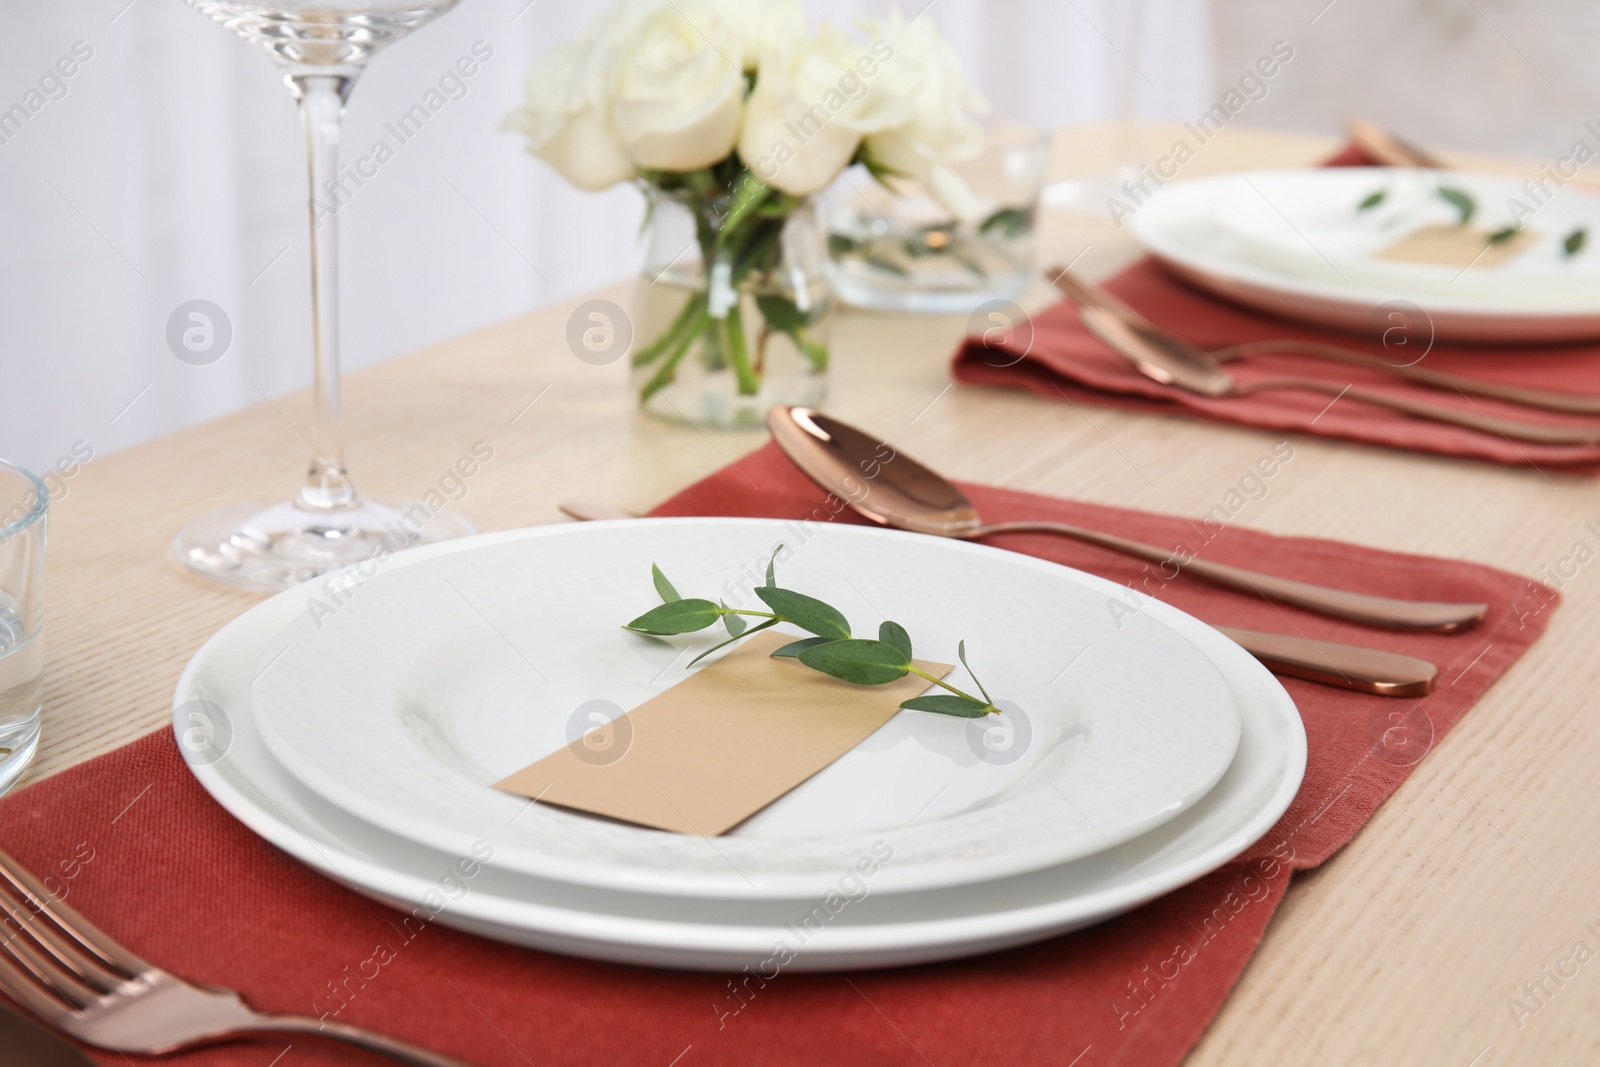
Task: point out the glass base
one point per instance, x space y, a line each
21 739
1091 196
929 298
268 546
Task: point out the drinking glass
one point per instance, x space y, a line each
24 507
898 249
322 47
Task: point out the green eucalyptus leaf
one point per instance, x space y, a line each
1501 236
806 612
793 649
772 568
1575 241
677 617
961 650
892 633
782 314
858 661
1011 221
664 587
1372 200
841 245
944 704
886 265
724 644
735 623
1459 200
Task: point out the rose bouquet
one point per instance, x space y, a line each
730 114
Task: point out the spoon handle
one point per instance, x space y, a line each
1473 420
1337 603
1365 670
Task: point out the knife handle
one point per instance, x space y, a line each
1365 670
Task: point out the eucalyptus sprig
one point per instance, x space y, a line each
831 650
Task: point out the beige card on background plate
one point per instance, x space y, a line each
720 745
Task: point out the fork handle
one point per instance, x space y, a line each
1572 403
390 1048
1364 608
1523 431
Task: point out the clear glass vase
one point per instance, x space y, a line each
720 346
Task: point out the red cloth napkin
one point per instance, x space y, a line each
1065 361
132 841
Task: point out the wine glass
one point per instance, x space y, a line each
322 46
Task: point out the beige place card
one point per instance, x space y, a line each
1456 246
720 745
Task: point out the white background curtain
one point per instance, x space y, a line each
169 167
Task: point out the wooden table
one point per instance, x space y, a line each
1404 949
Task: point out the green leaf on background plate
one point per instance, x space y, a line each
664 587
724 644
806 612
964 707
677 617
892 633
961 650
857 661
793 649
1575 240
1459 200
1372 200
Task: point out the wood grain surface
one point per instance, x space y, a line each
1407 948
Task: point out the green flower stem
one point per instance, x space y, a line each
946 685
680 347
816 353
673 333
913 668
739 352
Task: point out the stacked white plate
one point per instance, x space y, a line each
1298 243
361 731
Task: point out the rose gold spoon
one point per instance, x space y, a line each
891 488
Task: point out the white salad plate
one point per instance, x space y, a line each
852 925
429 682
1296 243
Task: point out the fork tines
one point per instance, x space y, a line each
53 958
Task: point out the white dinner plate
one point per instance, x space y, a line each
433 681
1295 243
217 732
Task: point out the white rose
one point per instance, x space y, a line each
813 103
677 87
759 27
941 127
567 117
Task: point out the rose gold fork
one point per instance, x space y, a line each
55 963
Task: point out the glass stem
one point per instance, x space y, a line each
322 96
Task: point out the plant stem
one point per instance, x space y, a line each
685 315
946 685
738 353
669 367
